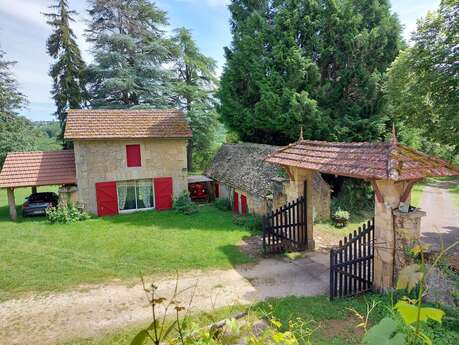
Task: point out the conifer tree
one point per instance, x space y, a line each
194 86
312 63
68 69
11 99
130 50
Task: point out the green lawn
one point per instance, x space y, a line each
334 322
37 256
416 194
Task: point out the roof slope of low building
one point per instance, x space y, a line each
242 166
392 161
125 124
27 169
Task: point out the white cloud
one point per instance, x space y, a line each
26 10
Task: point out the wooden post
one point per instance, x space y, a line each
34 189
11 203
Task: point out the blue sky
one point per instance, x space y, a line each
23 34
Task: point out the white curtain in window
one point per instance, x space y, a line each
122 194
145 193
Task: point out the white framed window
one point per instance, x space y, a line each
135 195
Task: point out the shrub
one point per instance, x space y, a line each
183 204
341 217
355 196
222 204
251 222
66 214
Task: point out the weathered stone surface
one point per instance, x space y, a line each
105 160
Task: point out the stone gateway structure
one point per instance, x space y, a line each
252 185
122 161
392 169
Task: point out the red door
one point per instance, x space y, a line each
107 199
243 204
163 193
217 189
236 202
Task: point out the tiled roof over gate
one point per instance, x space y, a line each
26 169
392 161
126 123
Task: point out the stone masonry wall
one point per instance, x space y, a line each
105 160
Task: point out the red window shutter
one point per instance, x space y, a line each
236 202
133 157
217 189
163 193
107 199
243 204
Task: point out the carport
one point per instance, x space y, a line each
35 169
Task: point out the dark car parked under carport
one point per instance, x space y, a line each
37 204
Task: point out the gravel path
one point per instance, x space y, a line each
103 309
442 220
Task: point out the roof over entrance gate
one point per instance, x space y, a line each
385 161
29 169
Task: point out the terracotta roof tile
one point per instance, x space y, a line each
25 169
127 123
362 160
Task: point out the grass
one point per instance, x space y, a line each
416 194
328 230
38 256
334 322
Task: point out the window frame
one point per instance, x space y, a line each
136 199
137 163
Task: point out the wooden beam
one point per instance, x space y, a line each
407 191
379 195
11 203
34 189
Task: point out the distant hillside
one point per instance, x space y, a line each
48 132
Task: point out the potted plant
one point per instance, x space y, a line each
341 217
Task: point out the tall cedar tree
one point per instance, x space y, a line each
195 85
130 51
317 64
68 69
423 83
11 99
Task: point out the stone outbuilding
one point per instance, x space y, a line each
252 185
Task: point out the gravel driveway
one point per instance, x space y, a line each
96 310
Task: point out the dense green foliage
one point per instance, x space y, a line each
194 87
317 64
66 214
130 50
422 84
39 256
183 204
68 69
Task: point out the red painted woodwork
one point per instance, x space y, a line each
163 193
107 199
133 157
217 189
243 204
236 202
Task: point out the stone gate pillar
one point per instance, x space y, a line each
387 199
394 232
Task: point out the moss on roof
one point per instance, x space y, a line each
242 166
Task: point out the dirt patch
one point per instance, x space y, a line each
340 328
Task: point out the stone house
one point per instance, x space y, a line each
128 160
122 161
252 185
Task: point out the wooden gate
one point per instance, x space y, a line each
285 229
352 263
